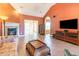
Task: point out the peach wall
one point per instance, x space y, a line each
27 17
63 11
7 10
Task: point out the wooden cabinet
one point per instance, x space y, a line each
41 29
67 36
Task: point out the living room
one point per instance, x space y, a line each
52 24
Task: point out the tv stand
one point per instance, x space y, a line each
67 36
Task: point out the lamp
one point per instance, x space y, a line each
3 18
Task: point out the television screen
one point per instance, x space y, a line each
69 24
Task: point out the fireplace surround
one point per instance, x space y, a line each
11 29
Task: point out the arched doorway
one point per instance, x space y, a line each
47 37
47 25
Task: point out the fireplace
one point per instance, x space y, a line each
12 31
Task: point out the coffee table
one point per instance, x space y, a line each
37 48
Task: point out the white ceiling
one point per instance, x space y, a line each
34 9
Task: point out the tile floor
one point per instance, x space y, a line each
57 47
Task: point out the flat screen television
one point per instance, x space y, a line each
69 24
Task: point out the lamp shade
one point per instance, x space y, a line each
3 17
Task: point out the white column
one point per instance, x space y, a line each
2 28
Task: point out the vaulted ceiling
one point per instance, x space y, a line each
33 9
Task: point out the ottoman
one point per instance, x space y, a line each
37 48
